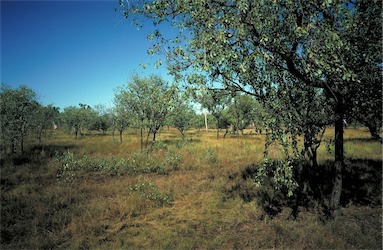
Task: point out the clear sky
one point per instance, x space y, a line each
71 52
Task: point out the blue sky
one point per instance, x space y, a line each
71 52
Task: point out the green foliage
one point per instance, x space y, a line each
138 163
255 47
149 190
215 101
78 118
278 173
181 115
103 119
172 160
210 156
242 111
19 113
148 99
159 146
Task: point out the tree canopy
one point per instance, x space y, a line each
254 46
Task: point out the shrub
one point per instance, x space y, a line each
150 191
172 160
143 162
137 163
211 156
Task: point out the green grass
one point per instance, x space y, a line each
115 197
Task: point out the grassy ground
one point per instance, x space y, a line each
98 193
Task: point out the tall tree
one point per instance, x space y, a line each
245 45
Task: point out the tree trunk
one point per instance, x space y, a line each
141 139
22 143
154 136
226 132
120 135
339 156
311 152
147 138
374 132
40 133
76 133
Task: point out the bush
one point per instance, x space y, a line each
211 156
150 191
141 162
172 160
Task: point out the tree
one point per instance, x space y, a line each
215 101
78 118
308 118
121 119
242 110
45 118
181 115
150 100
365 37
103 118
246 45
18 108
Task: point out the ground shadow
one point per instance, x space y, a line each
357 140
36 154
362 185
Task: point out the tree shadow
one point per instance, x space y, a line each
357 140
181 142
362 185
36 154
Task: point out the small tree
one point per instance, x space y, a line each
45 117
18 108
181 115
102 120
215 101
121 120
150 100
241 110
78 118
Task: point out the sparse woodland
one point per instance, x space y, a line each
268 137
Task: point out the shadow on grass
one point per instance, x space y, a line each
362 186
181 142
357 140
31 210
36 154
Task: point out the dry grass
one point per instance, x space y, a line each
97 210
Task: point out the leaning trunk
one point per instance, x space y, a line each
339 156
120 135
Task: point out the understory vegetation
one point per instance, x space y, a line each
194 192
